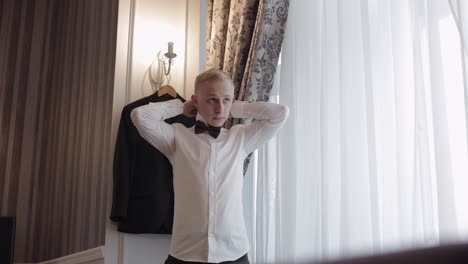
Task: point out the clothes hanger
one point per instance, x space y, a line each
167 89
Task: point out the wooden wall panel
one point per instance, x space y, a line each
57 61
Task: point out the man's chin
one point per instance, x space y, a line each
217 123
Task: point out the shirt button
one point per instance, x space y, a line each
210 234
211 193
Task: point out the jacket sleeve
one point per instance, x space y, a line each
121 171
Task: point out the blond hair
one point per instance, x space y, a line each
212 75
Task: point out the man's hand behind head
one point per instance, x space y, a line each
189 109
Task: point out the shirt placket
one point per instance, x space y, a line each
212 201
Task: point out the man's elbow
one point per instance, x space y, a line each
137 116
134 115
284 113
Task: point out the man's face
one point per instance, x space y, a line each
214 101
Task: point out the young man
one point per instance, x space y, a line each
207 161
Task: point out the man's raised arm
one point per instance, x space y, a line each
149 121
269 118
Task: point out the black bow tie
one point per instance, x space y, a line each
200 127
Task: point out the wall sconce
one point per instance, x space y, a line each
164 67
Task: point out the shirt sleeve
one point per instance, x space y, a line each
269 118
149 121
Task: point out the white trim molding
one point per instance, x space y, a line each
94 255
90 255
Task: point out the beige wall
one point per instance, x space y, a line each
144 28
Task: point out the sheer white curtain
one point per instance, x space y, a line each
374 155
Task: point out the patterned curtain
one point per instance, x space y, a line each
230 26
244 38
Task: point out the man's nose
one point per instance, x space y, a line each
219 107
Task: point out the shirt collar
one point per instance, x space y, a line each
199 117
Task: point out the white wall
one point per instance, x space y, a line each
144 28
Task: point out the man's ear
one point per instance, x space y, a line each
194 100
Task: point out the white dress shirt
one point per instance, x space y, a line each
208 175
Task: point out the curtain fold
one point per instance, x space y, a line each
459 11
374 157
229 32
244 39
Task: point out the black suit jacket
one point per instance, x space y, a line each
143 194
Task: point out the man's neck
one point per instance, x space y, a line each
200 118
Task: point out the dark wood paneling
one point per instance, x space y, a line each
57 61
